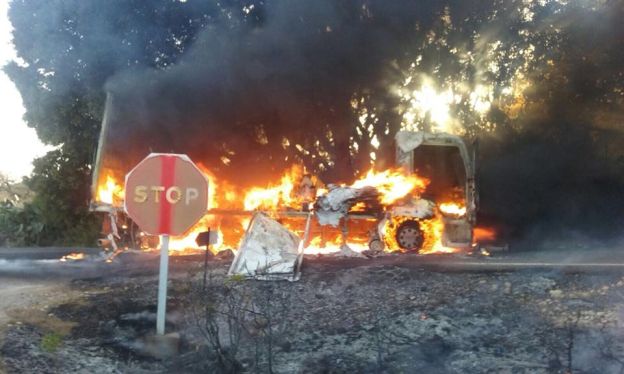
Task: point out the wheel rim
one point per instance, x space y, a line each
409 235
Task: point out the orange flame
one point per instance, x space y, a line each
111 192
434 227
392 184
220 193
483 234
431 229
453 209
73 257
274 196
230 229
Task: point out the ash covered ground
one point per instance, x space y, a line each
344 315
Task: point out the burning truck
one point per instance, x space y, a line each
427 203
430 207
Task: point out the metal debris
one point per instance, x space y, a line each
269 251
335 204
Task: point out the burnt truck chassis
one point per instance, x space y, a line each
457 231
124 234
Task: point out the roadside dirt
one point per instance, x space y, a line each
18 295
27 301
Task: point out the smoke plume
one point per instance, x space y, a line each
273 83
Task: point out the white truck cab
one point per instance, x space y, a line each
445 160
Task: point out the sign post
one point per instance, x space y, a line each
205 239
163 277
166 194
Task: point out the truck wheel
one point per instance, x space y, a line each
376 245
409 236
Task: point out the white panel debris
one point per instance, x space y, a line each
420 208
335 204
269 251
331 207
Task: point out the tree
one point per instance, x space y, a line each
67 51
257 85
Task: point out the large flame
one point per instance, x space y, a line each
231 209
431 228
277 196
434 228
110 192
392 184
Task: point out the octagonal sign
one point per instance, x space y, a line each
166 194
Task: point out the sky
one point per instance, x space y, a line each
19 144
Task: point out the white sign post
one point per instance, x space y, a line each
163 275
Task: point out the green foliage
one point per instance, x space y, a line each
235 278
69 50
61 183
32 225
58 213
51 342
19 226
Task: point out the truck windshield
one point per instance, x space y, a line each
444 167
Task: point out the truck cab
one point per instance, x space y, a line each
451 195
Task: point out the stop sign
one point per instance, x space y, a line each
166 194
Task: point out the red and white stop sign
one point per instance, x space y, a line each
166 194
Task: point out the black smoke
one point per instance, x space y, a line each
277 70
285 69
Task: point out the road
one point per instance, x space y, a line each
42 253
44 262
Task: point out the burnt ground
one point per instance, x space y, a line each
344 315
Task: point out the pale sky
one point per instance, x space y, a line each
19 144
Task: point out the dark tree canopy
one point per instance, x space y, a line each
67 51
328 83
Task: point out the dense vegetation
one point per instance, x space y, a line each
67 51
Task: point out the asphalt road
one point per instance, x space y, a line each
44 262
42 253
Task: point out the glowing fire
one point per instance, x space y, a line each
229 231
110 192
453 209
273 197
431 230
319 247
329 240
392 184
434 227
72 257
234 205
483 234
221 194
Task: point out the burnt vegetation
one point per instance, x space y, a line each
239 323
370 319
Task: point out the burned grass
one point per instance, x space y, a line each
372 317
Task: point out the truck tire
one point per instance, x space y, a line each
410 236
